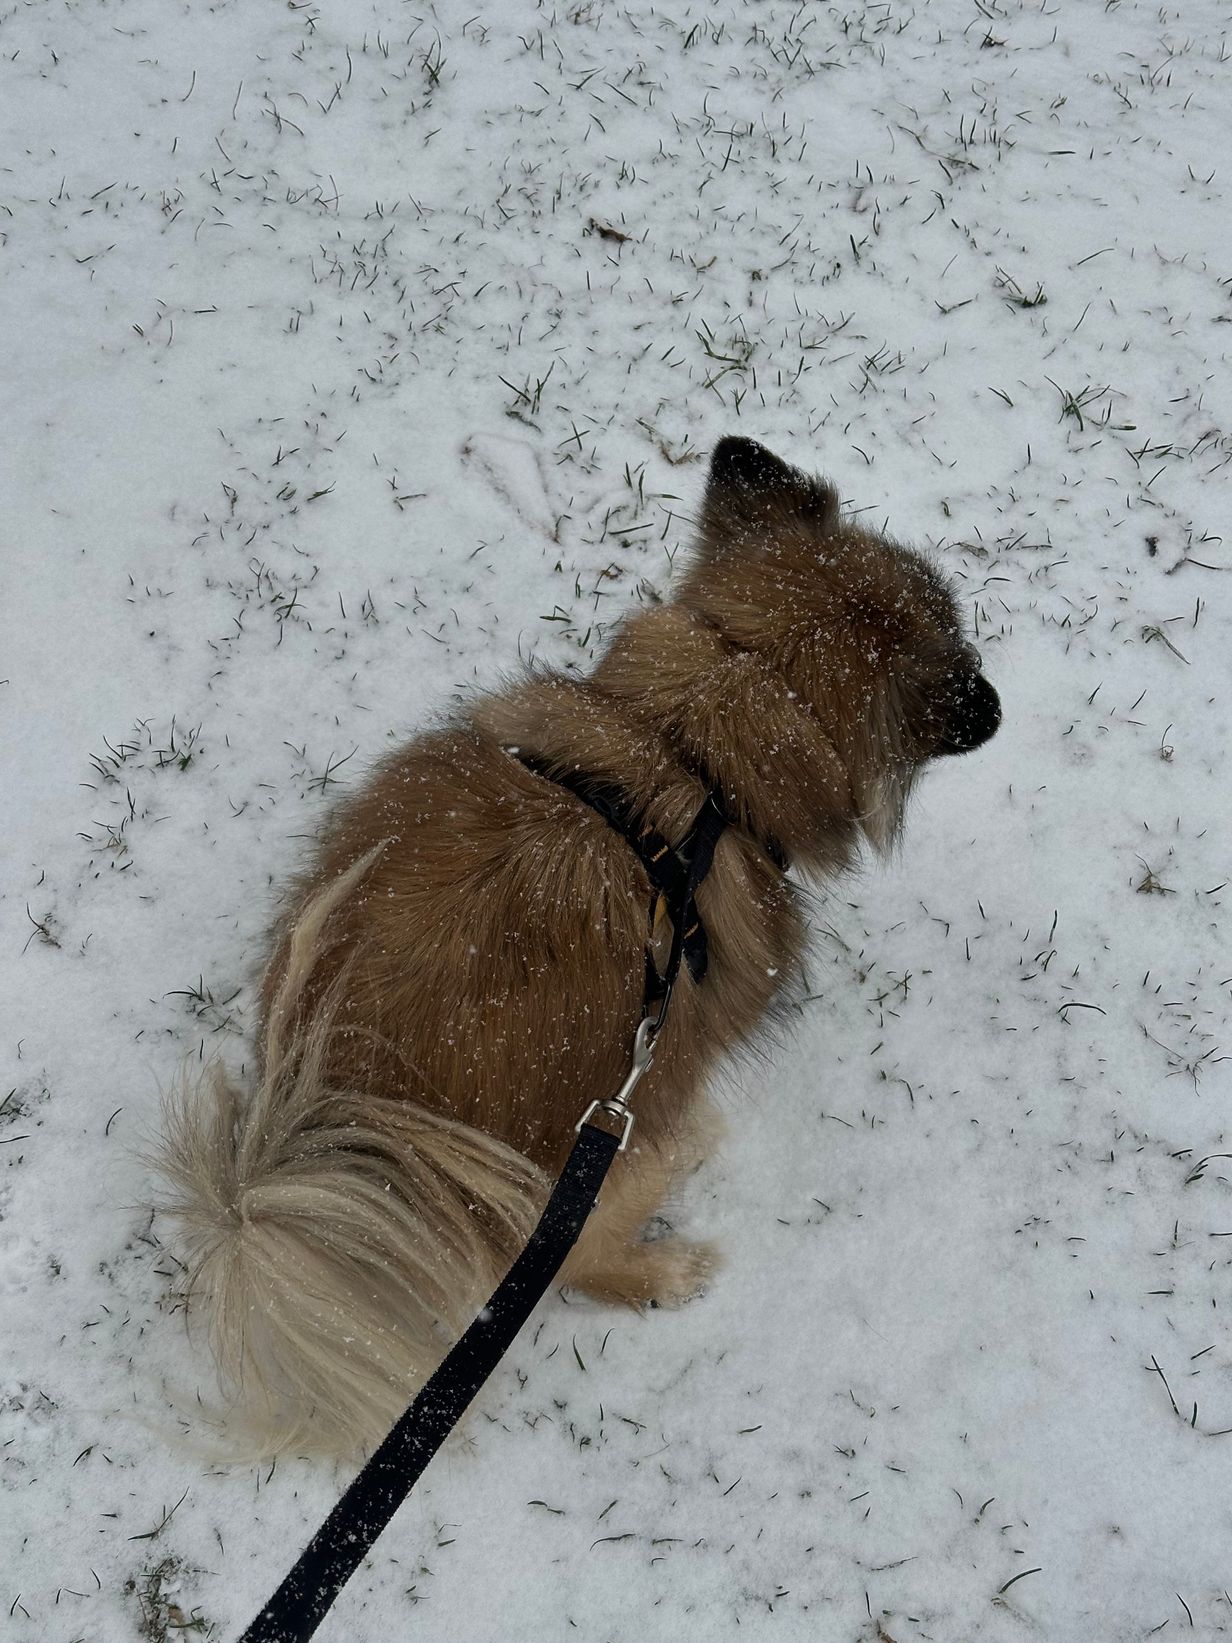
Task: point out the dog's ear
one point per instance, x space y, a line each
749 490
744 465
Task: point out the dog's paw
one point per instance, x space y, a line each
681 1271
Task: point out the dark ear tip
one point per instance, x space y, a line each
739 461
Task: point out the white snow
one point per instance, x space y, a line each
330 391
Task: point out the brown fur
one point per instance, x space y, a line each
459 970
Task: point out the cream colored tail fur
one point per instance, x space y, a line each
339 1242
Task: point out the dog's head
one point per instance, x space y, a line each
866 632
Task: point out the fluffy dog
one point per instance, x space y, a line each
460 968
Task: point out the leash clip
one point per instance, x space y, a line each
617 1106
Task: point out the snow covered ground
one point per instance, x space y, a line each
350 353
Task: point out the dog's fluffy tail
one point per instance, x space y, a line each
338 1242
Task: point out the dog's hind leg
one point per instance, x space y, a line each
613 1261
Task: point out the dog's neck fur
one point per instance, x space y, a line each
674 704
732 720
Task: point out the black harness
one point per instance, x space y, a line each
304 1598
674 871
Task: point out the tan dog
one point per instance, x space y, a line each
460 969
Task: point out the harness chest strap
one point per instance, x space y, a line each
674 871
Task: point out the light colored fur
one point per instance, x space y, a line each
459 969
331 1234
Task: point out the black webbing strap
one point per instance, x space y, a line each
348 1533
674 871
695 853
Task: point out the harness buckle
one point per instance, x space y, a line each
617 1106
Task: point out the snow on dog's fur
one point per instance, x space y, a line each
460 968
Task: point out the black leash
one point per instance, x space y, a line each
342 1542
348 1533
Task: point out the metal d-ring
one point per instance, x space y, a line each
617 1106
